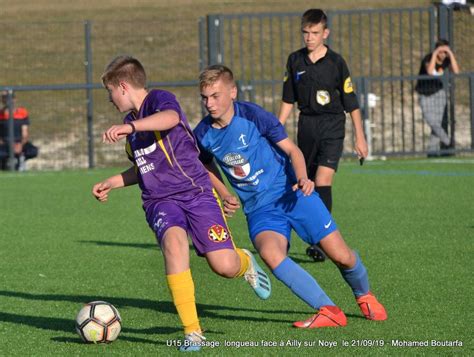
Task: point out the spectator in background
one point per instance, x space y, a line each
433 97
23 150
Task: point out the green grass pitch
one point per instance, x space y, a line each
412 221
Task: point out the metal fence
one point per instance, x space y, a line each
55 68
395 124
383 49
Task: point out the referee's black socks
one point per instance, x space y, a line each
325 194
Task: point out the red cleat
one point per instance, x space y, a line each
371 308
327 316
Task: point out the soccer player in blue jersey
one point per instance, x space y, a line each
268 173
177 194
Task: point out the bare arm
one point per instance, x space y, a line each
101 190
431 65
297 161
285 110
454 66
24 134
164 120
360 143
231 203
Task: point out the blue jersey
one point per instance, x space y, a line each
246 151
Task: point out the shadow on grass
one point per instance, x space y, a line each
297 257
122 338
151 246
119 244
304 261
222 311
68 326
355 316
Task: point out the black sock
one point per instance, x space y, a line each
325 195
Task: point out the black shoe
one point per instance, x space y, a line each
447 150
447 153
432 155
316 253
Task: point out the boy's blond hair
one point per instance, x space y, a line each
213 73
125 69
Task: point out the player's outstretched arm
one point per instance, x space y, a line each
101 190
361 147
230 202
164 120
297 161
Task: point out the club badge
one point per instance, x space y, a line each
322 97
237 165
218 234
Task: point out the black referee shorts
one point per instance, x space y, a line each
321 139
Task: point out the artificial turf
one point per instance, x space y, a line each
412 222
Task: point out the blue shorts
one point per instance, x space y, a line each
306 215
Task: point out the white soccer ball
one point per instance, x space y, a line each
98 322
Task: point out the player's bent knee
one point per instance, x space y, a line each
225 270
345 259
223 263
272 259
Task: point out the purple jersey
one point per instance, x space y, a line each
167 162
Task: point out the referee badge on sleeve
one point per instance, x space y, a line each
348 86
323 97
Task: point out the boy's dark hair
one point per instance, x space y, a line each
441 42
125 68
213 73
314 17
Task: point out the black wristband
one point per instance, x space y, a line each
133 127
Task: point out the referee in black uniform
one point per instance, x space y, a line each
318 79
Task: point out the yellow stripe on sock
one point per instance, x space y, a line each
181 286
244 262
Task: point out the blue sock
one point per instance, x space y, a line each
357 277
301 283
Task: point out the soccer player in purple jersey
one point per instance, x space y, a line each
178 198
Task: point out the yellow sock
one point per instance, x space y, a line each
182 290
244 262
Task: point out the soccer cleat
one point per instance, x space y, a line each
371 308
315 252
192 342
257 278
327 316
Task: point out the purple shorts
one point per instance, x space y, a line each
201 217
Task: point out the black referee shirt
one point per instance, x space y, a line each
324 87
